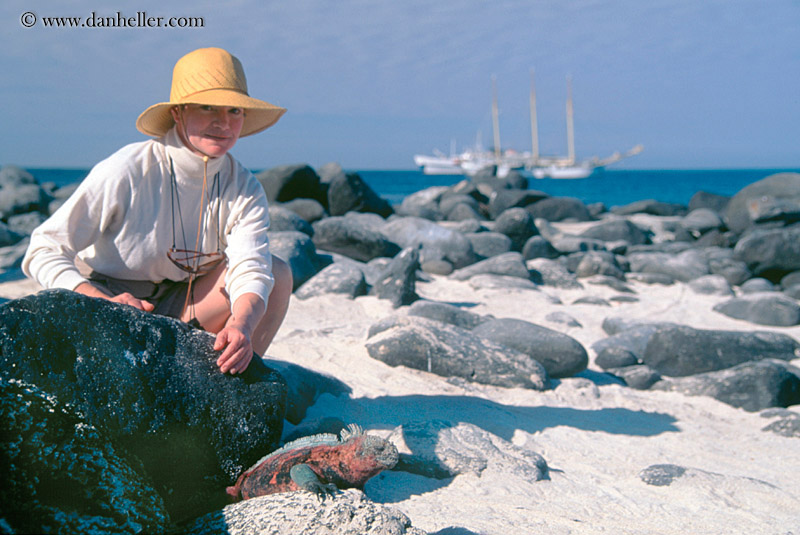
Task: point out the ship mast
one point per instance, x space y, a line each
534 123
570 127
495 120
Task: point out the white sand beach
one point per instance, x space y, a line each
595 434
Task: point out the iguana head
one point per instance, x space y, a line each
383 452
371 447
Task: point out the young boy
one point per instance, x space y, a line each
175 225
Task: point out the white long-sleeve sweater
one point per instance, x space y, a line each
119 221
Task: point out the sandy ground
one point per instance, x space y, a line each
595 435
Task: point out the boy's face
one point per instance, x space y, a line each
211 130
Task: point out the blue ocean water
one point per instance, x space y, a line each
609 186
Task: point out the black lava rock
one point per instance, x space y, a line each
151 386
288 182
61 475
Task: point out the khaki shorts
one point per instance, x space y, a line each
167 296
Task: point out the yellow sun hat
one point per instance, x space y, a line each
213 77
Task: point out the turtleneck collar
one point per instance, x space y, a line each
188 165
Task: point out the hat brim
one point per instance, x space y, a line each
259 114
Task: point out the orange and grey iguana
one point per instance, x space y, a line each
319 463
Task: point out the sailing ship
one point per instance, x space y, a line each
568 166
470 161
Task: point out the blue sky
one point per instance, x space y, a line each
369 83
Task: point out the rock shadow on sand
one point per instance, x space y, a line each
441 437
501 420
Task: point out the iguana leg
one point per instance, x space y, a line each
306 479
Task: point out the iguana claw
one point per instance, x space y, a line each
323 490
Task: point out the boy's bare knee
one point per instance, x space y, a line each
282 273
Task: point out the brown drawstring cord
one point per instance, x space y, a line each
192 276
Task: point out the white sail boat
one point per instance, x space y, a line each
565 167
467 162
440 163
470 161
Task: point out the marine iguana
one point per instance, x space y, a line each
318 463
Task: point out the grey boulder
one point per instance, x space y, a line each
778 187
560 209
283 219
702 220
518 225
684 266
345 278
398 281
770 253
752 386
618 230
446 313
435 240
561 355
441 449
488 244
650 206
354 236
711 285
298 251
763 308
510 264
678 350
8 236
349 192
552 273
451 351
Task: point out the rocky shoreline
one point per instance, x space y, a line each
497 233
735 261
